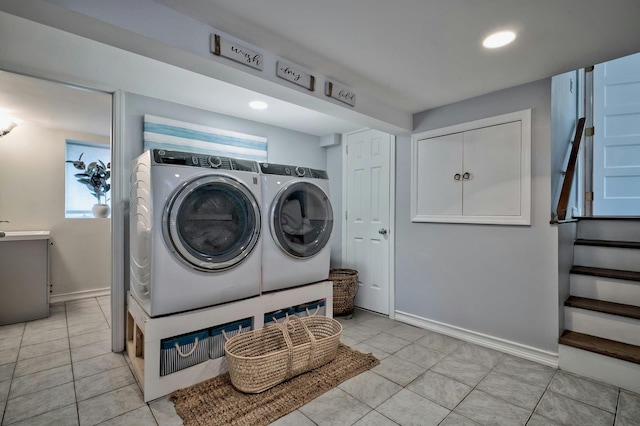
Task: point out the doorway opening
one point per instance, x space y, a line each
34 181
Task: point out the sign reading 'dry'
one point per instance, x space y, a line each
229 49
340 92
295 75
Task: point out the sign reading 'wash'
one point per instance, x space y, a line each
222 47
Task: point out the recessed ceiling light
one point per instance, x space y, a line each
499 39
258 105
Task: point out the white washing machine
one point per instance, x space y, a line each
297 220
195 231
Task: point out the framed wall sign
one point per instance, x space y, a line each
236 52
295 75
338 91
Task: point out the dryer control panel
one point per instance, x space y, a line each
294 171
161 156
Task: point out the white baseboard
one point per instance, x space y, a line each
66 297
502 345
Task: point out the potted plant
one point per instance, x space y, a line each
95 176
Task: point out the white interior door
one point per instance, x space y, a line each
368 216
616 142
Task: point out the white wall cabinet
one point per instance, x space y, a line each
476 172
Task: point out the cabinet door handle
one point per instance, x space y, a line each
457 176
466 175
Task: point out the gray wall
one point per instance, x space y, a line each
564 116
567 233
284 145
564 110
334 170
496 280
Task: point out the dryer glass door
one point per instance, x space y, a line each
301 219
212 223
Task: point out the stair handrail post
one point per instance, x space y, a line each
567 183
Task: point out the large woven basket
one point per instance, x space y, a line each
345 285
260 359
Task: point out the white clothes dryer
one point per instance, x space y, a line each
195 231
298 220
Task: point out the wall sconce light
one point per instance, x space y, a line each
6 127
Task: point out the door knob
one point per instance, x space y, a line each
457 176
466 175
382 231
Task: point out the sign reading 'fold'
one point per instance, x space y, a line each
295 75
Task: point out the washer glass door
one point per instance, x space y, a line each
212 223
301 219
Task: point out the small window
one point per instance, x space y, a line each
79 199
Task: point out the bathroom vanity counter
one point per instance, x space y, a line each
24 235
24 276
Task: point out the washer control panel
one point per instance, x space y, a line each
161 156
294 171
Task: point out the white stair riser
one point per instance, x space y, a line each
613 327
623 374
607 289
612 230
607 257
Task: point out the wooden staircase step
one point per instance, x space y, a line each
616 218
619 350
606 273
629 311
605 243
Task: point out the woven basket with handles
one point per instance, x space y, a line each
260 359
345 285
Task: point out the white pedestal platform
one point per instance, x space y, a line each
144 334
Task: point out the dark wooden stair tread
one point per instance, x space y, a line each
612 348
607 243
629 311
616 218
606 273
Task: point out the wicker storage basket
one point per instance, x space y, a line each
260 359
345 285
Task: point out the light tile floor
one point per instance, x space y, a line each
60 371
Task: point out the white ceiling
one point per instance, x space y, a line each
412 54
37 102
420 54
